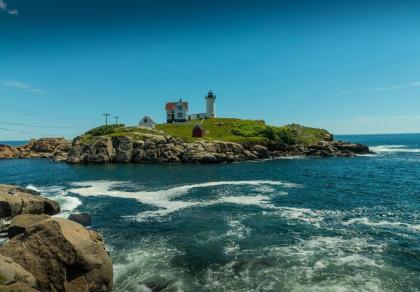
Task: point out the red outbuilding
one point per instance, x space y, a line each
198 131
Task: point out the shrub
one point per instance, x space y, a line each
104 130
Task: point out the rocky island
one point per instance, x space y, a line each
45 253
226 140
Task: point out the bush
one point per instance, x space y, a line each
104 130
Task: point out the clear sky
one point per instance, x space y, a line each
347 66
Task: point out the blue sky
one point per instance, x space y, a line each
347 66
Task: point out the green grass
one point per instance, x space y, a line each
221 129
115 131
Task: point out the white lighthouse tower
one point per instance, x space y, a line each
210 105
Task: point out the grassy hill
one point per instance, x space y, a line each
222 129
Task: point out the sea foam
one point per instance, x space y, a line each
59 194
168 200
389 149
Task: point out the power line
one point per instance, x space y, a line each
23 132
41 126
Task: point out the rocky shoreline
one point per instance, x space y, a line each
44 253
154 148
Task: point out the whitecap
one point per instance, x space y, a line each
382 223
389 149
59 194
165 199
313 217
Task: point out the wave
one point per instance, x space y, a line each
394 149
67 203
165 199
382 223
300 266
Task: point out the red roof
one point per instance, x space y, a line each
172 105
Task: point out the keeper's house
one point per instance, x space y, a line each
176 112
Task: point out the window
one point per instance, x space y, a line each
145 120
180 115
180 108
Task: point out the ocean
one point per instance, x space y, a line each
300 224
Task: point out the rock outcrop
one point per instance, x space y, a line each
15 201
45 253
167 149
56 148
336 148
158 147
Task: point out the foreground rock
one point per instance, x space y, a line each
56 148
62 256
20 223
14 277
15 200
45 253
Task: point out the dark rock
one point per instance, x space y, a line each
81 218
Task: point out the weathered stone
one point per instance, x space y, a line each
260 151
7 152
62 256
15 200
20 223
14 276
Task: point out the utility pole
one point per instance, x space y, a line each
116 120
106 118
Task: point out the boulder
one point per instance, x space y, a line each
15 200
20 223
12 276
81 218
62 255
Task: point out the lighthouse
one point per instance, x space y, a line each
210 105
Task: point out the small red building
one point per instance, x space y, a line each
198 131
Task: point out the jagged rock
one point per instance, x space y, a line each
81 218
13 276
123 148
336 148
7 152
260 151
62 256
56 148
20 223
15 200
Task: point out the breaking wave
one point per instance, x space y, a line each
59 194
389 149
300 266
168 201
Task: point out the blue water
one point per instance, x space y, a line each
304 224
14 143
